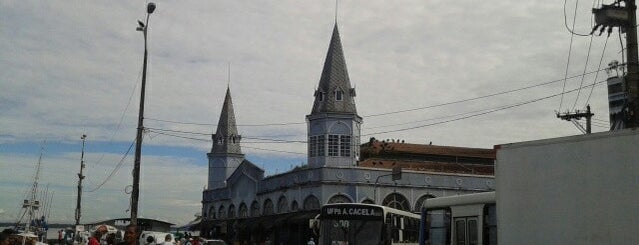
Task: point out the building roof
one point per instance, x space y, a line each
429 158
334 78
249 169
375 147
226 139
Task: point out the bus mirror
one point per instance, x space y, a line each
313 224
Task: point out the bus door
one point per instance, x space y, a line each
465 231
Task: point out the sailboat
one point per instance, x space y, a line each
34 228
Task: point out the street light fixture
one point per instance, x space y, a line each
143 27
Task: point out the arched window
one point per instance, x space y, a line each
294 207
221 214
268 207
231 212
396 201
255 209
282 205
421 200
243 211
339 198
212 212
311 203
368 201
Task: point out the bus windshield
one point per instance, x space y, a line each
351 232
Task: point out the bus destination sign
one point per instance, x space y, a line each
355 212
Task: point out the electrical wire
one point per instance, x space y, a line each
473 114
581 83
126 108
572 35
290 152
115 170
603 52
244 137
477 114
398 111
479 97
211 124
249 147
573 21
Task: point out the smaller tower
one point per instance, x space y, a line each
226 154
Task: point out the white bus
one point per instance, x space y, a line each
459 220
365 224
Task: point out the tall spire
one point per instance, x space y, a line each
226 140
334 93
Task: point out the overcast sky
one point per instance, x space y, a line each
74 67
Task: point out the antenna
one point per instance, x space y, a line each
228 82
336 7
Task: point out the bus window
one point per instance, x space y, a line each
490 224
466 231
438 227
472 232
460 232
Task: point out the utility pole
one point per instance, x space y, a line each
573 117
78 206
632 79
625 18
135 194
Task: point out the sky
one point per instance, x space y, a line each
463 73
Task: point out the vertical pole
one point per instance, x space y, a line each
632 78
588 117
78 206
138 139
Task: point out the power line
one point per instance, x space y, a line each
581 83
115 170
572 35
126 108
473 114
480 97
398 111
477 114
211 124
291 152
573 20
598 69
256 148
244 137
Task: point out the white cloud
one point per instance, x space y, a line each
71 67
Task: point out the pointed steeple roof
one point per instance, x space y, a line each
226 140
334 93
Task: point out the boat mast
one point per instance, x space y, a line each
32 204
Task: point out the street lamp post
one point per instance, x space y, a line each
78 207
143 27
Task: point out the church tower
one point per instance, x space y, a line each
333 125
226 154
